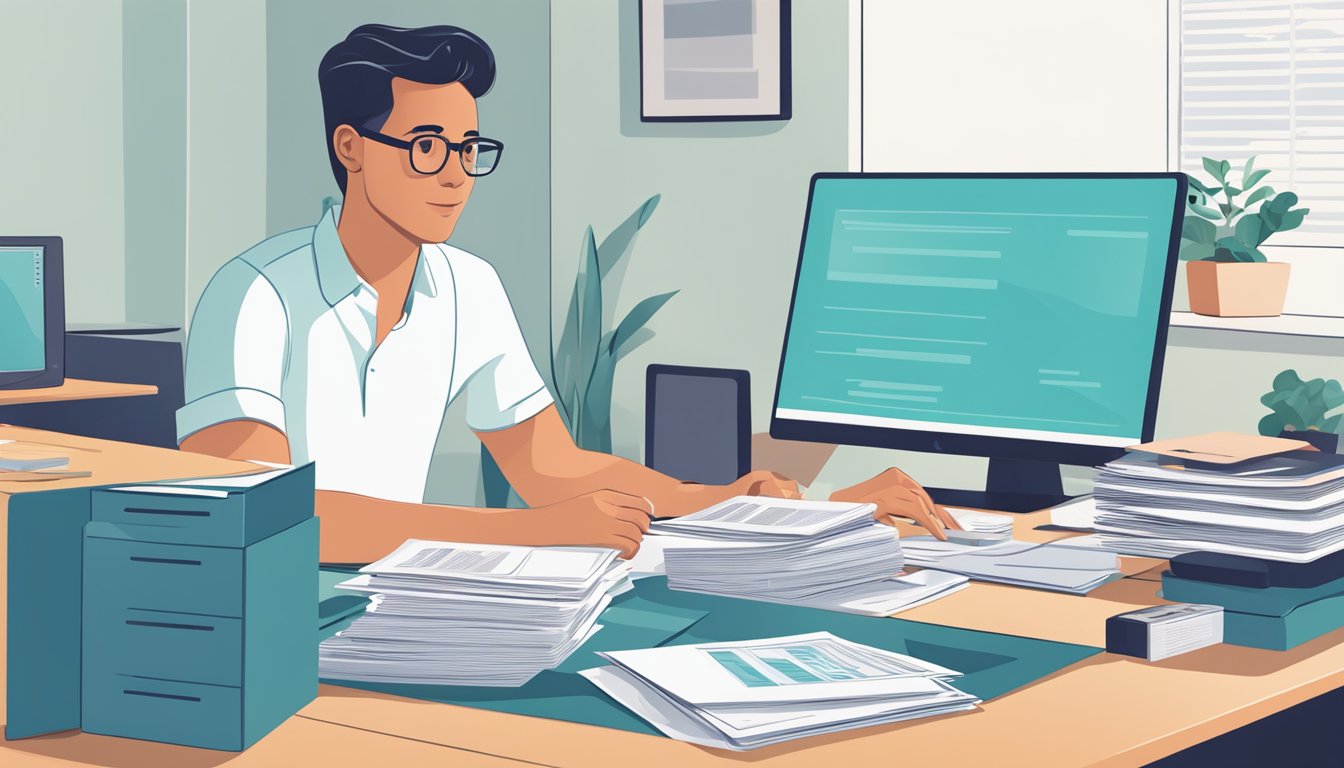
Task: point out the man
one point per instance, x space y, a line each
344 343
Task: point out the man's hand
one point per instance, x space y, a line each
763 482
600 519
896 493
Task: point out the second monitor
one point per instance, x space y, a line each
1022 317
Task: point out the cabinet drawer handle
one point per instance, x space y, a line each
154 695
167 625
167 560
177 512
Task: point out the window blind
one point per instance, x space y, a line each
1267 79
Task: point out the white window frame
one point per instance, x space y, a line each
1317 270
1315 302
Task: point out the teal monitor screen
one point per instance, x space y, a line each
22 313
1023 307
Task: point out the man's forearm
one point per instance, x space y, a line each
588 471
360 529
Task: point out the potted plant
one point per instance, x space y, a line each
1227 274
583 362
1302 410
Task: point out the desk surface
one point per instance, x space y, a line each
75 389
1107 710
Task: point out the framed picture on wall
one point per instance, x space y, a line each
703 60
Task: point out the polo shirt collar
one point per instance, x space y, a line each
337 276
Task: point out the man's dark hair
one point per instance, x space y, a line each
356 74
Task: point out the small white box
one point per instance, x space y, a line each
1163 631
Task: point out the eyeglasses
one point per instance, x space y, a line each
429 153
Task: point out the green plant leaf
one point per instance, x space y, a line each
617 245
590 313
1278 215
1205 211
1287 380
1214 169
1271 424
597 415
1198 185
493 482
1198 229
1231 191
1282 202
1223 168
1250 230
1293 219
1192 250
1333 394
1333 424
568 349
1246 170
637 318
1254 178
1239 250
1258 195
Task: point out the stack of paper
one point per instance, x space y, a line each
744 695
777 549
472 614
29 457
1061 566
1288 507
975 521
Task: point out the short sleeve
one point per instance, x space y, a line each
504 389
235 353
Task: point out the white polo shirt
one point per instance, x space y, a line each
284 335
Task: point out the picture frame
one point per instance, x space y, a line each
714 60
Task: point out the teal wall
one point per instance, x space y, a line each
226 136
154 70
61 142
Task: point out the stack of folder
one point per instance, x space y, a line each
1266 604
776 549
444 613
1287 507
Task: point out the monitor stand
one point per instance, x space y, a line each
1013 485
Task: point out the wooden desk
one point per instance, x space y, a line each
75 389
1107 710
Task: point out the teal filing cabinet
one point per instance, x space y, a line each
199 611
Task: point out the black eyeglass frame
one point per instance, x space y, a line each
409 146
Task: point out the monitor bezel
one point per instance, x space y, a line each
52 374
934 440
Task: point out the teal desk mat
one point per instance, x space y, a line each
653 615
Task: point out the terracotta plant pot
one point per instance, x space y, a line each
1237 288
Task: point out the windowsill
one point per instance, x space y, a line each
1285 324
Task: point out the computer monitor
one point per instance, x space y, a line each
32 313
1021 317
